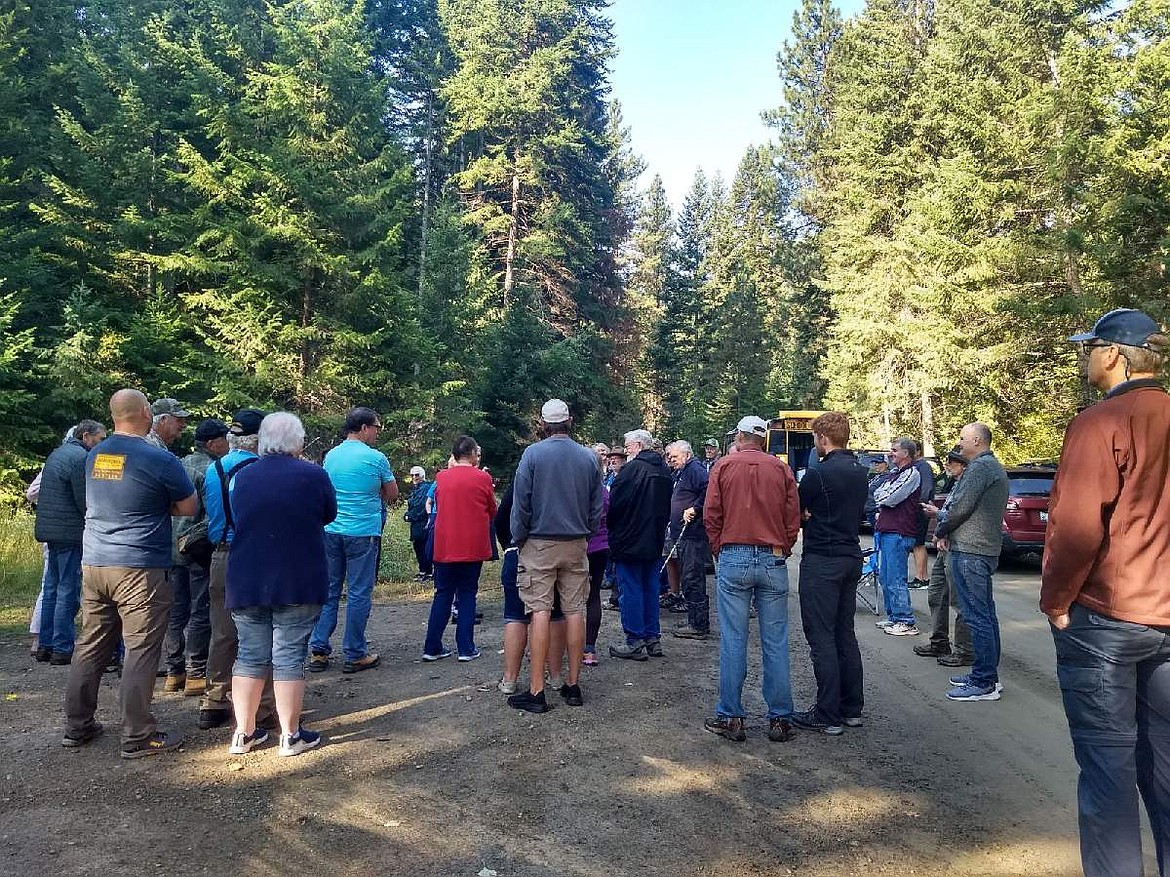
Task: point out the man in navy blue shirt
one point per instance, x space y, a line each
686 528
131 491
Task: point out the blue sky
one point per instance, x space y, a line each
693 77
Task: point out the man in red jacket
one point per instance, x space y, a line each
752 515
1106 591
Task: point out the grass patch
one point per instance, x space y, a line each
21 563
398 567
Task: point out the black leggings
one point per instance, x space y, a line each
597 562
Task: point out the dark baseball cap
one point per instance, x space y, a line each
210 429
246 421
172 407
1122 326
955 455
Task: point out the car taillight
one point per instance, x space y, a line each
1013 506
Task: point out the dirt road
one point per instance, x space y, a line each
423 773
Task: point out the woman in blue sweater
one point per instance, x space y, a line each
277 579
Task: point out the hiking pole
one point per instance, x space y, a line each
674 548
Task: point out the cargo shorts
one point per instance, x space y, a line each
553 566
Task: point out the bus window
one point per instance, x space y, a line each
777 442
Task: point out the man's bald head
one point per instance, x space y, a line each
974 439
130 410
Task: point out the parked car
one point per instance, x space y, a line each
1026 516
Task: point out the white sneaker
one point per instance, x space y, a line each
242 742
295 744
883 624
901 629
507 687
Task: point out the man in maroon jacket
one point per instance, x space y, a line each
1106 591
752 515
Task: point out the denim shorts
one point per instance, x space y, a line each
275 637
514 610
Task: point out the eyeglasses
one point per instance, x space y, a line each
374 425
1087 347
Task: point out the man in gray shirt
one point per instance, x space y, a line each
556 507
971 530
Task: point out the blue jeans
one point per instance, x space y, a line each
275 637
1115 680
638 583
353 559
972 577
744 571
189 630
61 597
453 582
893 550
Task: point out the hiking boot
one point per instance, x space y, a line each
685 631
654 648
242 743
779 730
295 744
60 659
727 726
155 744
367 662
931 650
175 682
679 606
526 700
94 731
318 662
635 651
953 660
571 694
209 719
42 654
813 722
900 629
195 686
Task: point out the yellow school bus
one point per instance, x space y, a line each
789 436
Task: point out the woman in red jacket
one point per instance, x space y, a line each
465 503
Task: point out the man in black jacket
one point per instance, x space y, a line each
692 547
60 522
832 500
639 511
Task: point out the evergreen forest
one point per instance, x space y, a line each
432 207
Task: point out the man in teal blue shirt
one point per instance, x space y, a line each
364 483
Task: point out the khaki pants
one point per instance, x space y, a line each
224 645
134 604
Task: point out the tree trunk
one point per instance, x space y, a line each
304 357
513 234
428 160
927 424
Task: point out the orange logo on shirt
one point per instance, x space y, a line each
108 467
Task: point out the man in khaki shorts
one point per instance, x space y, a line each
556 507
131 491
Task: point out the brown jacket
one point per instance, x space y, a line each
752 500
1108 540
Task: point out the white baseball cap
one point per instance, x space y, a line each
754 425
554 411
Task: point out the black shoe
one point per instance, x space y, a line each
918 584
930 650
631 652
526 700
73 742
953 660
731 728
61 659
209 719
685 631
812 722
155 744
654 648
779 730
572 695
42 655
114 668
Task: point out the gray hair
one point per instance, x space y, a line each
641 437
243 442
681 445
281 433
86 427
907 444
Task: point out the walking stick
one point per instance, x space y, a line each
674 548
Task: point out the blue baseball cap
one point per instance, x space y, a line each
1122 326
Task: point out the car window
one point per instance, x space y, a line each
1030 486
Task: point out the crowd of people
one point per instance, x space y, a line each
235 559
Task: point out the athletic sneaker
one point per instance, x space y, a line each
900 629
446 653
918 584
471 657
964 679
974 692
812 722
156 743
507 687
572 695
94 730
852 721
883 624
295 744
242 742
529 702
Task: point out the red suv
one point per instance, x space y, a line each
1026 515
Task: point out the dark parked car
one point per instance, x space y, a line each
1026 516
